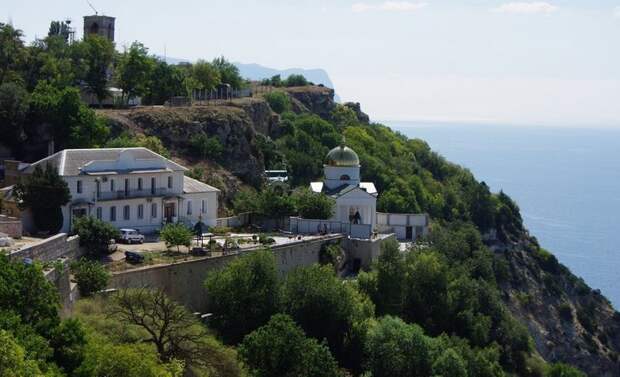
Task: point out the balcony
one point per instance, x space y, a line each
133 194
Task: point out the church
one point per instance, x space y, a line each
356 201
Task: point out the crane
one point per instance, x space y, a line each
92 7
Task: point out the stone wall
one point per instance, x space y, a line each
184 281
11 226
60 276
366 251
51 249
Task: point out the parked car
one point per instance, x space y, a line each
132 257
131 236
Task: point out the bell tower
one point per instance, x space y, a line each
99 25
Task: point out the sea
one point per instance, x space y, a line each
566 182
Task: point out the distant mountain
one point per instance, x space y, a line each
258 72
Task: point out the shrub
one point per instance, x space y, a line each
563 370
220 230
205 146
94 234
278 101
295 80
91 276
264 240
176 235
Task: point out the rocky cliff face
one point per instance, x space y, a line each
569 322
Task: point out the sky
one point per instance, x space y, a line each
554 62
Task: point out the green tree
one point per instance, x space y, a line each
91 276
74 124
14 104
172 329
312 205
274 203
278 101
449 363
204 76
69 342
244 295
95 235
124 360
280 348
395 349
98 56
26 292
13 362
166 81
391 271
176 235
295 80
133 71
44 192
12 52
323 306
229 73
59 29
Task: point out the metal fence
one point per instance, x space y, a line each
298 225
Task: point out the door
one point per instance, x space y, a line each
409 233
169 212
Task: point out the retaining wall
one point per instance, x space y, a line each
51 249
11 226
184 281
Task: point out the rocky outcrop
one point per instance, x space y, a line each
317 99
362 117
569 322
263 118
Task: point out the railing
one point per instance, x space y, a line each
298 225
122 194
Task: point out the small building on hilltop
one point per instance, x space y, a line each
99 25
130 188
355 210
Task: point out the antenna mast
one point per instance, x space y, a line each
92 7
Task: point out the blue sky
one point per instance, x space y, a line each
519 62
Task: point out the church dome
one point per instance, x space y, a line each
342 156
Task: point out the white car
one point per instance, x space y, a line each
131 236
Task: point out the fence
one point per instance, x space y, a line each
241 219
314 226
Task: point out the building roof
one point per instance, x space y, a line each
191 185
69 162
339 191
342 156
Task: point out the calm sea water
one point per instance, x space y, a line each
566 182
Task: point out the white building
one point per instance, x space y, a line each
356 201
130 188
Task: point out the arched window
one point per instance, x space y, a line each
94 28
345 177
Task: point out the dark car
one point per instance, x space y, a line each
132 257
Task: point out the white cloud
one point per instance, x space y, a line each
527 7
617 12
390 6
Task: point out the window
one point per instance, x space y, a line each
153 185
97 188
140 211
170 182
126 187
345 177
112 188
203 207
126 213
79 187
139 184
99 213
112 213
154 210
189 207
